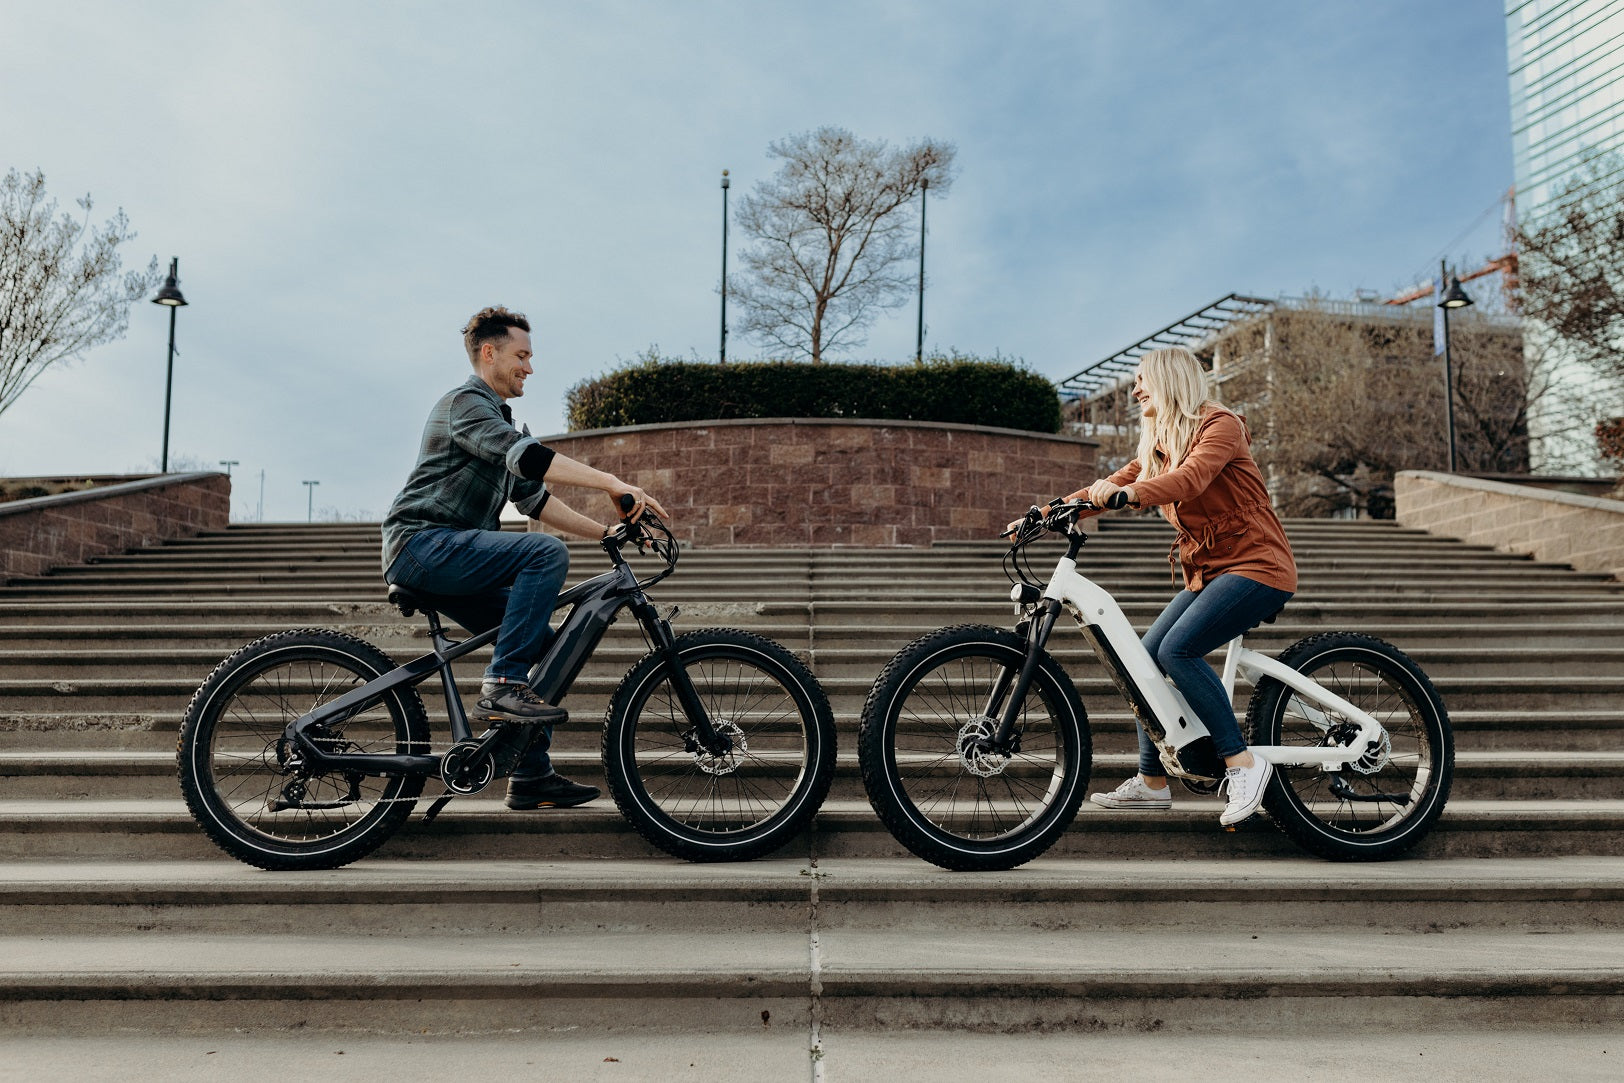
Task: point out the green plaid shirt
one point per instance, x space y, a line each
466 472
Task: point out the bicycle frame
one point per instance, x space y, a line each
593 604
1156 702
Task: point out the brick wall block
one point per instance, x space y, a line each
77 527
1585 532
779 484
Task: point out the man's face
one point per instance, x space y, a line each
505 364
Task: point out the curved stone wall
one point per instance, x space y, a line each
822 481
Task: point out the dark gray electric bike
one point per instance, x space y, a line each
309 748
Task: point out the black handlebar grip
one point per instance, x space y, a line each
627 502
1118 499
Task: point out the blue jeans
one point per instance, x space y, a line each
1194 624
485 578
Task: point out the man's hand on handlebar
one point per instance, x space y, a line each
630 500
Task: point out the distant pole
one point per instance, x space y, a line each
228 464
259 515
1452 296
721 354
310 504
919 345
170 297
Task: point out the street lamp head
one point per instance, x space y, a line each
724 178
169 293
1454 296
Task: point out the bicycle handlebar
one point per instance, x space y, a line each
1059 514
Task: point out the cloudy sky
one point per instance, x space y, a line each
345 182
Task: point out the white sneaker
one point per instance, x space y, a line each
1134 794
1245 786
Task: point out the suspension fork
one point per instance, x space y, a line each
659 632
1010 689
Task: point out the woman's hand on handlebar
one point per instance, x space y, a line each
1100 494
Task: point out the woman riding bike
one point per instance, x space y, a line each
1193 463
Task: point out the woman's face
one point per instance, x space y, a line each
1142 396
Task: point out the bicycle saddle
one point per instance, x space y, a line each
407 602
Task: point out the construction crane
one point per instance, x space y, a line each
1505 265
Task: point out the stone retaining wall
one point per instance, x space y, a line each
71 528
1586 532
825 482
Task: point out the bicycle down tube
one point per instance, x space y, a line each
1120 650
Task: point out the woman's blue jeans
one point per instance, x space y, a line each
485 578
1194 624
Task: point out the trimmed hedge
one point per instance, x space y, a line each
957 389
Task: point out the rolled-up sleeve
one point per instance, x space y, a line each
530 497
479 428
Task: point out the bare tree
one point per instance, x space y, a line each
1571 263
61 292
831 237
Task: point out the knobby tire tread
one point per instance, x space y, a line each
266 854
692 844
1270 696
935 844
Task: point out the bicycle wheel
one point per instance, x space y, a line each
746 802
941 798
233 761
1383 804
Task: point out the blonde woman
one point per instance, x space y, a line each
1194 464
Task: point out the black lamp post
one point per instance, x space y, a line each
310 500
1454 297
919 343
721 356
169 296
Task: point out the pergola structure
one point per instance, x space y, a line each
1190 331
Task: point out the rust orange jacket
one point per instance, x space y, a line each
1217 502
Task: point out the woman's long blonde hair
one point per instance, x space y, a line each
1177 388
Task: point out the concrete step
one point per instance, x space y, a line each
402 637
795 1051
119 774
455 897
626 645
138 695
1351 612
155 829
1002 980
1113 728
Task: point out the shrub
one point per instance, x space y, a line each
951 388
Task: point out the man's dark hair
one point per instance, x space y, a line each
490 325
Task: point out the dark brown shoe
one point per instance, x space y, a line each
554 791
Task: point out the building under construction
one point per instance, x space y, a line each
1339 395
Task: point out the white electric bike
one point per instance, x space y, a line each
975 747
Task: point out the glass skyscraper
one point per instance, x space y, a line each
1566 63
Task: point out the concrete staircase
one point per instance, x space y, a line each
120 914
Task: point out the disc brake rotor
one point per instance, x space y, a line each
976 753
727 761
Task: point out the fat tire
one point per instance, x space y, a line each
628 716
888 791
214 811
1265 724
